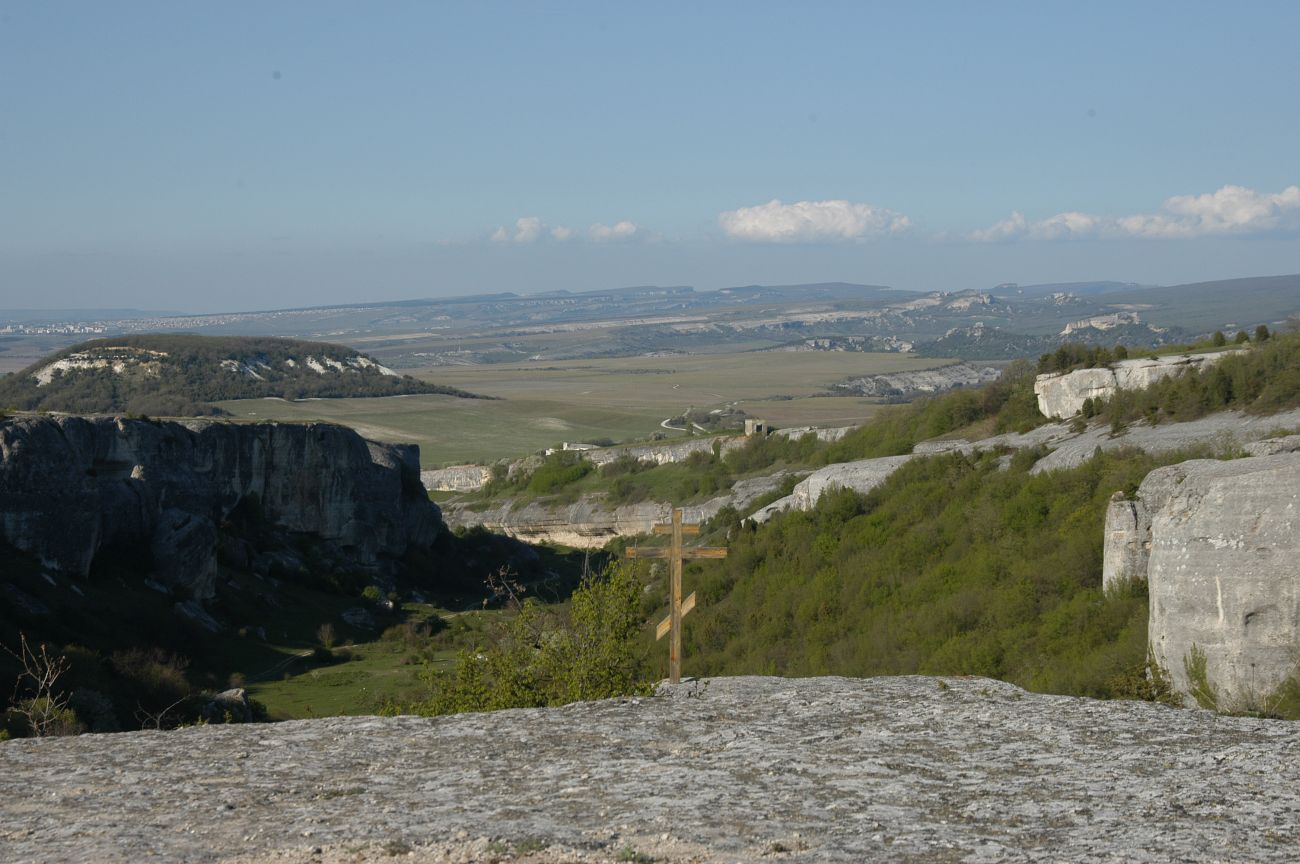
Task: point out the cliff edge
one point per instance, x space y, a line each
73 488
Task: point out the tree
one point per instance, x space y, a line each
1219 340
1261 333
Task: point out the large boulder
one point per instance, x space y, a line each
1217 542
860 476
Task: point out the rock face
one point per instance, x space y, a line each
456 478
915 383
72 487
1127 544
1225 431
1062 394
663 453
1217 543
590 522
861 476
717 770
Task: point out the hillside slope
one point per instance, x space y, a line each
179 375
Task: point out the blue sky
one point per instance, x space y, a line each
251 155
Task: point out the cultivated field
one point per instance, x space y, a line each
541 404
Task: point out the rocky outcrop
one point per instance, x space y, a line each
1217 543
591 522
456 478
1127 543
916 383
1226 432
828 435
588 523
907 769
1062 395
664 453
861 476
73 487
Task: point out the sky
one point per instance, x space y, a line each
250 155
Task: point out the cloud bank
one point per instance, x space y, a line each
811 222
1228 210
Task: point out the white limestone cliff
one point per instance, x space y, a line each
1217 542
1061 395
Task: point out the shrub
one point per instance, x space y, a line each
542 657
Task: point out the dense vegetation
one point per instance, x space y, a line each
955 566
177 375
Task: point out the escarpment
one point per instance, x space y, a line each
75 488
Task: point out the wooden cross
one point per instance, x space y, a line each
676 554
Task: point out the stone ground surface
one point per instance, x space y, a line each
718 770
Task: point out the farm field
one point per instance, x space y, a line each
542 404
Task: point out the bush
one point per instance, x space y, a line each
541 657
559 469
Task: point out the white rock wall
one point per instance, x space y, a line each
456 478
1221 570
1062 394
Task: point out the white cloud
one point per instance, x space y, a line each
811 221
532 229
623 230
1229 210
1064 226
1013 227
529 229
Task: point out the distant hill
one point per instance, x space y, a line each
1219 305
1078 289
179 375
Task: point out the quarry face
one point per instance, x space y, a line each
729 769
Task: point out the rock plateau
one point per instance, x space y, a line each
717 770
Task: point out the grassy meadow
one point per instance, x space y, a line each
541 404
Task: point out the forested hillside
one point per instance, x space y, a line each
959 564
171 375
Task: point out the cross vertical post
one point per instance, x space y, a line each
675 599
676 553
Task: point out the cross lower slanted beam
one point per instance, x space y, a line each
676 554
